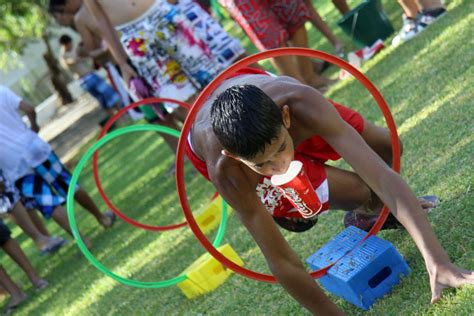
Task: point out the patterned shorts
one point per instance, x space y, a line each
101 90
269 24
9 195
47 187
177 49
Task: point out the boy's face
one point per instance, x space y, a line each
276 157
64 19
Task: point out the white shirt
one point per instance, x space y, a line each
21 149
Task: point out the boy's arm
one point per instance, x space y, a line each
319 117
109 34
282 260
31 114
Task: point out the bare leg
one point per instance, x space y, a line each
172 141
12 248
286 65
60 217
341 6
410 7
319 23
429 4
347 191
254 65
38 221
181 113
83 198
21 217
17 295
305 66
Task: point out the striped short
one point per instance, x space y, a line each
45 188
101 90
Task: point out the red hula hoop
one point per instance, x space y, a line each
95 167
207 92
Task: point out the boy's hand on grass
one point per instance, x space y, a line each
448 276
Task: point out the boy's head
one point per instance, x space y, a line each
64 6
63 12
253 129
57 6
65 41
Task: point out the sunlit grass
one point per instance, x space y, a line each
427 84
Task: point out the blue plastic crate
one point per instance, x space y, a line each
366 273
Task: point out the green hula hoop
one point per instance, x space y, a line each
72 220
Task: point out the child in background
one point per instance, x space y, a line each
12 248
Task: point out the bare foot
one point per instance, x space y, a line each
15 301
448 276
321 83
339 49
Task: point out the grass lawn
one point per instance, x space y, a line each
426 83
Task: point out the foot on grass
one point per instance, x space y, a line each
15 302
108 219
54 244
365 222
40 284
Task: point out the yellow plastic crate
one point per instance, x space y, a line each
210 218
206 273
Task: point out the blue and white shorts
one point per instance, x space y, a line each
47 187
9 195
101 90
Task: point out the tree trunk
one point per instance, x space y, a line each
57 76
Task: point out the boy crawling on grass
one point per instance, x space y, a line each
254 125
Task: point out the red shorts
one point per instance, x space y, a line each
268 23
313 153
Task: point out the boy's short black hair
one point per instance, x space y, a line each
56 5
245 120
65 39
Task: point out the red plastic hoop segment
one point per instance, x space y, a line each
95 167
204 95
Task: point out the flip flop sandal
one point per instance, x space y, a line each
433 199
112 217
41 284
54 245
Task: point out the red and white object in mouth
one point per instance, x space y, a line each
297 188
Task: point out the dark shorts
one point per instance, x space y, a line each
47 187
5 233
269 24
